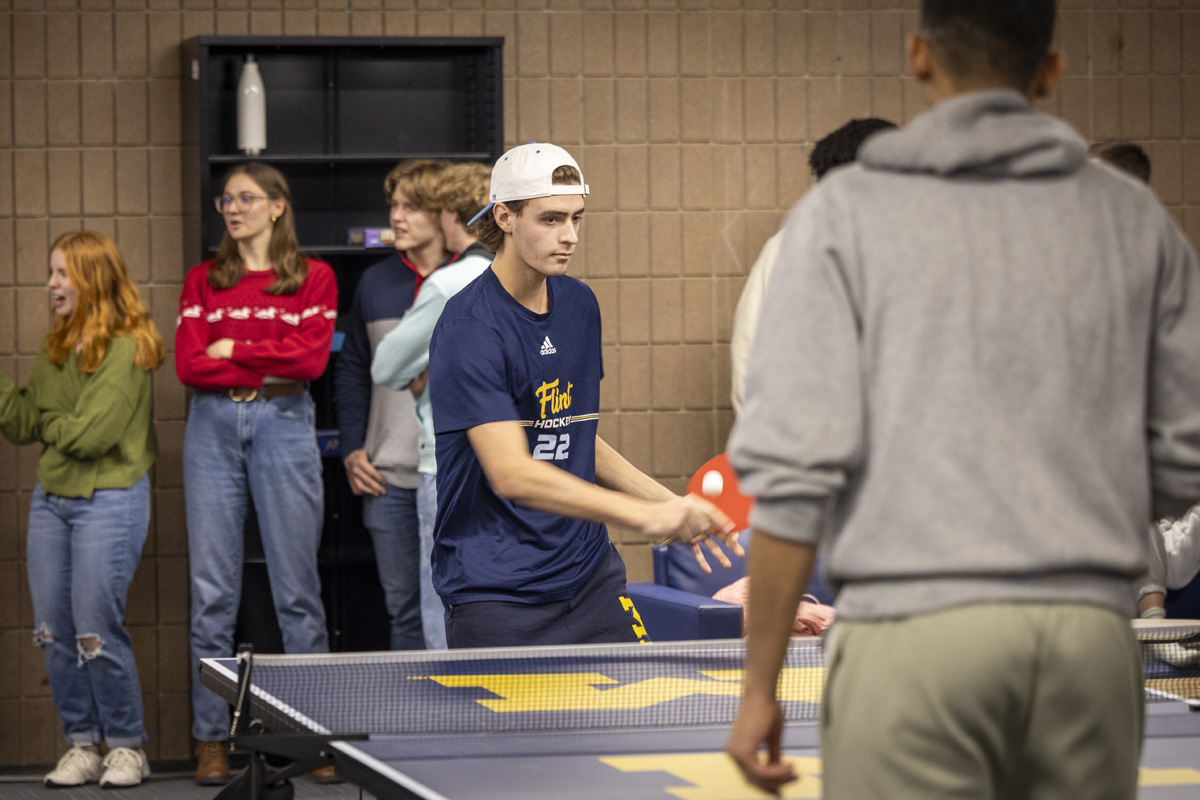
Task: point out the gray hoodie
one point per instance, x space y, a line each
978 361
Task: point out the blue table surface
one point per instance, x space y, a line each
617 760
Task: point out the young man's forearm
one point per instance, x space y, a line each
517 476
503 453
614 472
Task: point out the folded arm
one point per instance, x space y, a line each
193 336
403 353
104 409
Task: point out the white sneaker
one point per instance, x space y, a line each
124 766
78 766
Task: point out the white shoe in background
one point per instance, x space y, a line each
124 766
79 765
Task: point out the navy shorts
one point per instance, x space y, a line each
600 612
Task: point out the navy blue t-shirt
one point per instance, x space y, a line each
492 359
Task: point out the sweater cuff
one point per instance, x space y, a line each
796 519
51 423
349 442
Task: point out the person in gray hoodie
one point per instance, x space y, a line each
976 380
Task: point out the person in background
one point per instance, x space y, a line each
87 403
377 428
255 326
835 150
1174 544
1125 156
1174 563
952 321
1151 588
402 357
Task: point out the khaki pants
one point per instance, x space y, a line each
1032 701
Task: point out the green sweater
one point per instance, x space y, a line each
96 428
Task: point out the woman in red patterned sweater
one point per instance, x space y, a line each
255 325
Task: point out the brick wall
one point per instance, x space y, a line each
692 119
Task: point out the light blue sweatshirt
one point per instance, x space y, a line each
977 371
403 354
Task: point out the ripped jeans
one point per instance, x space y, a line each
81 556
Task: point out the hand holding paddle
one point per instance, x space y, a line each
694 521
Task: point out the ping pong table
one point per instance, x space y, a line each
590 722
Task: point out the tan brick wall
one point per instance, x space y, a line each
692 119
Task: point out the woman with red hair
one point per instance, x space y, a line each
87 401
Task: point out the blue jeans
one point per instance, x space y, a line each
391 519
433 613
81 556
235 453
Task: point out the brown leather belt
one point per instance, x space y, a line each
269 391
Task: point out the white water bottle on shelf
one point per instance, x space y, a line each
251 110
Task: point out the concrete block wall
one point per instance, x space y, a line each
692 120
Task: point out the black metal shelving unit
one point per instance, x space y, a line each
341 111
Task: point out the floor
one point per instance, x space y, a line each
160 786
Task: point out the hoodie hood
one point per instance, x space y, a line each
992 133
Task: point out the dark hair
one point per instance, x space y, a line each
1125 156
490 234
989 39
841 146
284 250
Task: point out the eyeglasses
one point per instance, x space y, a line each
242 201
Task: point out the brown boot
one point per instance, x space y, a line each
212 763
326 774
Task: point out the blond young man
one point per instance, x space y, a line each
378 431
401 358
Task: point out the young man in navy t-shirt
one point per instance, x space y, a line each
525 486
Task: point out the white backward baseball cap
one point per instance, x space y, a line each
527 171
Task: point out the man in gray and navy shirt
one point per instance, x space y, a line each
378 430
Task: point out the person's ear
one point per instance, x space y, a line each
920 58
505 219
1050 74
276 208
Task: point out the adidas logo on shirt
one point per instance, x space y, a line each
547 348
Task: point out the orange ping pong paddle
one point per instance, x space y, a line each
717 482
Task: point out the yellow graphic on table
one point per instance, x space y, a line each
1185 776
714 776
579 691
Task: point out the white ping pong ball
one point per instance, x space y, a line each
712 483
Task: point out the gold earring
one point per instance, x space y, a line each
273 220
